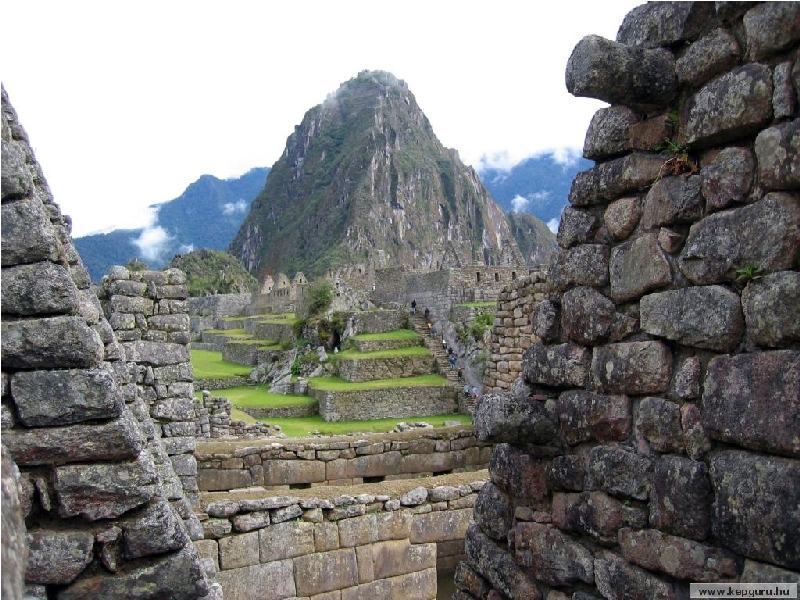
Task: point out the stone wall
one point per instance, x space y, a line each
205 311
512 333
103 516
378 321
338 460
652 439
148 312
365 543
399 402
369 369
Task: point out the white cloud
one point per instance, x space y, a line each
519 203
231 208
541 196
152 242
567 157
552 224
186 248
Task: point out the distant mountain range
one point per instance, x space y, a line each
211 210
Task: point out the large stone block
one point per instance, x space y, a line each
772 309
518 473
567 472
552 556
157 354
659 422
672 200
213 480
156 530
358 531
622 216
586 315
585 416
58 557
575 227
763 235
664 23
632 367
440 526
54 343
104 490
753 400
680 498
778 153
494 511
27 236
504 418
727 178
560 365
614 178
676 556
608 132
46 398
467 579
285 540
596 514
771 27
618 471
325 571
239 550
271 581
610 71
710 55
43 288
616 579
499 567
586 264
637 267
755 506
286 472
732 106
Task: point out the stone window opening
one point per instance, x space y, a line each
497 276
478 277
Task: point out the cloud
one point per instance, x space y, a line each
505 160
152 242
566 157
542 196
552 224
519 203
186 248
231 208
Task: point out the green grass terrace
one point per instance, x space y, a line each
336 384
399 334
479 305
394 353
208 364
249 396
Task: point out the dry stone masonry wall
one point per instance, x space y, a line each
652 437
103 517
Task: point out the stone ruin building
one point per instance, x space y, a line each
647 407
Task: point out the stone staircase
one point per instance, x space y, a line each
434 344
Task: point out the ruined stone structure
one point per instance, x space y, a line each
105 515
512 333
652 438
205 311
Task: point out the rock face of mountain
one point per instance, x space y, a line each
535 240
207 215
363 179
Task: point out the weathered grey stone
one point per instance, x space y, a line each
757 572
494 511
659 422
675 199
622 216
608 132
632 367
287 513
27 235
499 567
552 556
178 576
119 439
727 178
772 309
157 354
596 514
755 506
680 498
764 235
664 23
618 471
326 571
771 27
712 54
586 264
638 266
610 71
614 178
174 409
104 490
732 106
778 153
272 502
52 343
576 227
216 528
17 179
63 397
707 317
157 529
222 508
239 550
695 439
585 416
675 556
560 365
466 578
753 400
12 521
286 540
670 241
38 289
414 497
251 521
784 97
274 581
58 557
586 315
502 418
518 473
567 472
617 580
544 320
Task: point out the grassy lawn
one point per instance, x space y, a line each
252 396
262 344
336 384
208 364
479 304
302 426
238 415
234 333
394 353
397 334
277 319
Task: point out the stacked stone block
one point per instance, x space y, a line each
652 438
100 521
512 330
148 312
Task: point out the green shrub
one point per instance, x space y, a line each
295 368
137 264
482 323
320 297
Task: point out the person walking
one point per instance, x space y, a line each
414 307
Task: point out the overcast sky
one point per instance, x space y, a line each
126 103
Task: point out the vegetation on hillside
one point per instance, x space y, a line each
214 272
208 364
